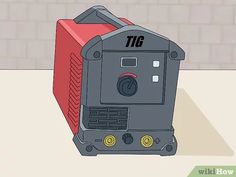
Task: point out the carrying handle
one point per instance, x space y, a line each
98 15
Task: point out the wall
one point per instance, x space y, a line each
206 29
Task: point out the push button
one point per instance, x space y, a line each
155 78
155 64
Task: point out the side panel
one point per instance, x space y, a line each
68 76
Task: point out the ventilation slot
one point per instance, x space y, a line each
105 118
75 89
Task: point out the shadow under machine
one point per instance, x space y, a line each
115 83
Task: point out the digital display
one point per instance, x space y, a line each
128 62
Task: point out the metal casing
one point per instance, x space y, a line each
87 73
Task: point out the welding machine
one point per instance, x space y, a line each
115 83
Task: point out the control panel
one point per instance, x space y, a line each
130 77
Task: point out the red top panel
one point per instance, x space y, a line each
84 32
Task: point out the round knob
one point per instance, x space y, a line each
127 138
127 86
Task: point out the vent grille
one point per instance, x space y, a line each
75 89
105 118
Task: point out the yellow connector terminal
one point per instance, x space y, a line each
109 140
147 141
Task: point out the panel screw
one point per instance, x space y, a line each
169 148
96 54
89 148
174 54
